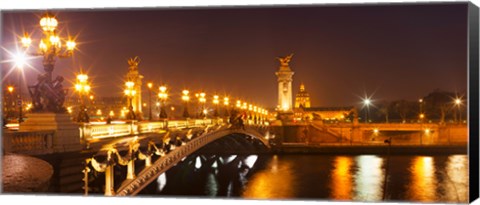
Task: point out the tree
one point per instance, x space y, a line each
438 104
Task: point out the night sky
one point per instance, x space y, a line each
341 53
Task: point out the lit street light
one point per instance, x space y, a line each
130 92
367 103
226 102
19 62
150 85
163 99
202 100
458 103
83 88
215 102
50 47
185 99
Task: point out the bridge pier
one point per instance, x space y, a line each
109 177
131 169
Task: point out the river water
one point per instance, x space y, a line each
410 178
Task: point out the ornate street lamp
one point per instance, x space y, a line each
50 47
83 88
19 61
163 99
215 102
202 100
130 92
150 85
226 102
11 102
185 99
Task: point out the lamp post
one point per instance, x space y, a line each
226 102
367 103
83 88
458 103
130 92
163 98
11 102
19 61
150 85
185 99
215 102
202 100
50 47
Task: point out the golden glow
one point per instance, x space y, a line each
82 78
368 178
202 98
423 181
129 84
162 89
456 171
48 23
69 109
185 96
276 182
225 101
54 40
71 45
239 103
26 41
215 99
341 179
375 131
458 101
150 85
111 114
10 89
422 116
42 45
91 97
99 112
427 131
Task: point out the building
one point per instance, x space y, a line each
302 99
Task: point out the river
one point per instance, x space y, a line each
410 178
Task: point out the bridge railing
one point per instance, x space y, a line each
29 142
90 131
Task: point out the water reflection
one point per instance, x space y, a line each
456 174
369 178
441 178
422 186
276 181
341 178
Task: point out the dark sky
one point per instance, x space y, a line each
340 52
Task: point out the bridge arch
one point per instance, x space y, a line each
149 174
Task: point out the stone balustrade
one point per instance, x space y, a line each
29 142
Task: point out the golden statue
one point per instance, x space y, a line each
133 62
285 60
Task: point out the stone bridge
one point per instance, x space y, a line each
171 148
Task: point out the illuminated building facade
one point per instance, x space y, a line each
302 99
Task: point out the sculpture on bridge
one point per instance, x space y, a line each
48 95
133 63
285 60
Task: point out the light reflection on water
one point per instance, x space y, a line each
341 178
361 178
369 178
421 186
271 182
